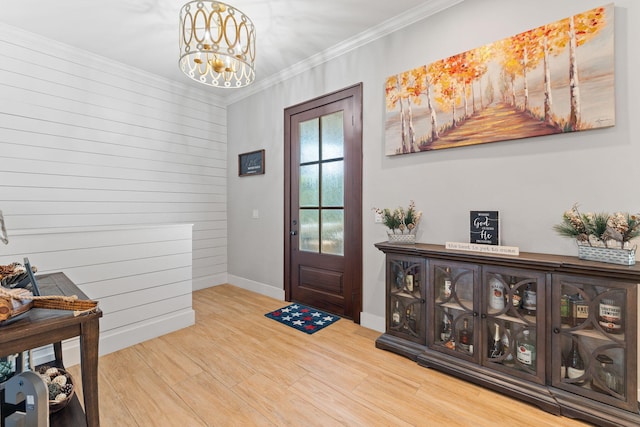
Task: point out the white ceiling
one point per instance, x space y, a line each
292 35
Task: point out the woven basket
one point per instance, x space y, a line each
23 301
77 305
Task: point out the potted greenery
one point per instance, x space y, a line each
601 236
402 223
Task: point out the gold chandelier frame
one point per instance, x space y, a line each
217 44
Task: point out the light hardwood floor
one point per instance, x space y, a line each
235 367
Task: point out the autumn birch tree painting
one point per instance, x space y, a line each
552 79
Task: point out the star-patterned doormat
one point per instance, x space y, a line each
303 318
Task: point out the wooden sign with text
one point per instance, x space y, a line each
484 227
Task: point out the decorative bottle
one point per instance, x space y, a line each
610 315
526 353
529 301
496 293
408 280
579 310
395 315
465 337
575 364
445 328
446 284
495 347
516 297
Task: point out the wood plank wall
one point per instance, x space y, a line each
88 143
140 275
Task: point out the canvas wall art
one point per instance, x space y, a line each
552 79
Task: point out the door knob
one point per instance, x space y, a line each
293 232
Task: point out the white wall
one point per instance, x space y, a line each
531 182
87 142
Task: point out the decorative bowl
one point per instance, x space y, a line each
61 387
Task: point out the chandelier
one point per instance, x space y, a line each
217 44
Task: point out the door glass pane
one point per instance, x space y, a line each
332 136
309 186
309 230
309 141
322 184
333 184
333 232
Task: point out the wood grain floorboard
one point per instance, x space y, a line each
235 367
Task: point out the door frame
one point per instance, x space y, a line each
355 224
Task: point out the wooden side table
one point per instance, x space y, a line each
39 327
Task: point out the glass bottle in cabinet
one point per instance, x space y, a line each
598 345
445 327
465 337
406 276
514 294
496 346
518 318
526 350
610 313
529 301
446 285
574 364
405 300
395 314
453 307
496 293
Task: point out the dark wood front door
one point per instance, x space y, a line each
323 203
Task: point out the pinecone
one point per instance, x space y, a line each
66 389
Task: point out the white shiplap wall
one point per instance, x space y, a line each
140 275
87 143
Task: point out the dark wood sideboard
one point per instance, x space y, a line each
446 309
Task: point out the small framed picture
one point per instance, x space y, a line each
251 163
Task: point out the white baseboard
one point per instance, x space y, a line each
118 339
208 281
372 321
257 287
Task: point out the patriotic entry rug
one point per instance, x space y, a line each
303 318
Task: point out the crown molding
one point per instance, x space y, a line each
425 10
